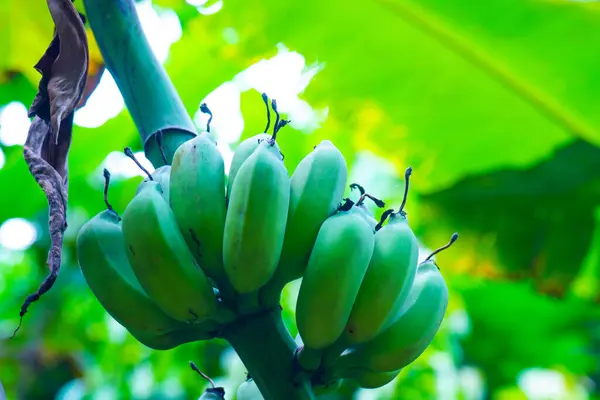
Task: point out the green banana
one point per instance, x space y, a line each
247 147
162 261
413 329
106 269
374 380
335 270
198 203
389 277
256 219
316 188
248 391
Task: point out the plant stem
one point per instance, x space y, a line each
147 90
267 350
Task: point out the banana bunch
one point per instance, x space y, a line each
190 254
196 252
366 308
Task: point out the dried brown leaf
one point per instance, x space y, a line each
64 69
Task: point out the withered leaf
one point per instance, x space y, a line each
64 69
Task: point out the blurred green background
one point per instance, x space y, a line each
495 105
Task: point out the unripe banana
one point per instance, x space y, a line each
162 261
247 146
410 333
336 267
198 203
256 219
387 282
316 188
241 154
374 380
248 391
389 277
106 269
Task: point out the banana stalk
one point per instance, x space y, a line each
148 92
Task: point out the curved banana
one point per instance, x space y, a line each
161 259
389 277
198 203
106 269
256 219
410 333
336 267
317 186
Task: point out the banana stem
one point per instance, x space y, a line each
266 348
147 90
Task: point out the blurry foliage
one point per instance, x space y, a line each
493 104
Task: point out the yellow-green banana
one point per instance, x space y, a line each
317 186
161 260
389 277
336 267
410 333
256 219
198 203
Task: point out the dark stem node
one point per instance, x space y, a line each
282 123
274 106
378 203
129 154
204 108
109 207
384 216
202 374
159 142
359 187
266 100
407 174
444 247
346 206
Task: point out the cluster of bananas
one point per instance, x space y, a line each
377 308
193 252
